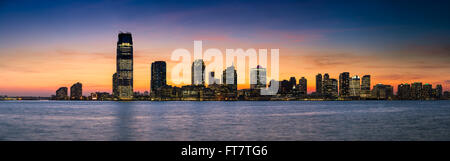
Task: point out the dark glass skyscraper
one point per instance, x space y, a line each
344 84
124 67
293 82
319 88
158 75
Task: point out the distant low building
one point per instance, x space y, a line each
382 92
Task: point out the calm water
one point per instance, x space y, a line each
356 120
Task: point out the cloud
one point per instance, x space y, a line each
332 60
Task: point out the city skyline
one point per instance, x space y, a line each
42 51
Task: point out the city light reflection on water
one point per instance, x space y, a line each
179 120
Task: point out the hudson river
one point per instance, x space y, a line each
277 120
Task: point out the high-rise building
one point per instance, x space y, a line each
365 86
334 87
229 77
302 86
355 86
115 85
319 88
198 73
258 77
61 94
438 91
293 82
330 88
124 68
404 91
416 91
325 82
344 84
158 75
427 91
76 91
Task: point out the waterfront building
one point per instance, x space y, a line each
124 67
404 91
427 91
416 91
382 92
258 77
302 87
344 84
355 87
229 78
76 91
365 87
158 75
198 73
62 94
319 82
438 91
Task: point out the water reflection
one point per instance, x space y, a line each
124 120
356 120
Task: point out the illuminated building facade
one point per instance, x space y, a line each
124 68
344 84
355 86
365 86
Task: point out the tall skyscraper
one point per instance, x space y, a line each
344 85
258 77
302 86
198 73
124 68
61 94
439 91
158 75
404 91
355 86
293 82
334 87
365 86
229 77
427 91
325 83
330 88
76 91
416 91
319 88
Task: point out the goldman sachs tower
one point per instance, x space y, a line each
123 78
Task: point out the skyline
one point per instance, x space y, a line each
52 46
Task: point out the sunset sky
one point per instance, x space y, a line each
49 44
